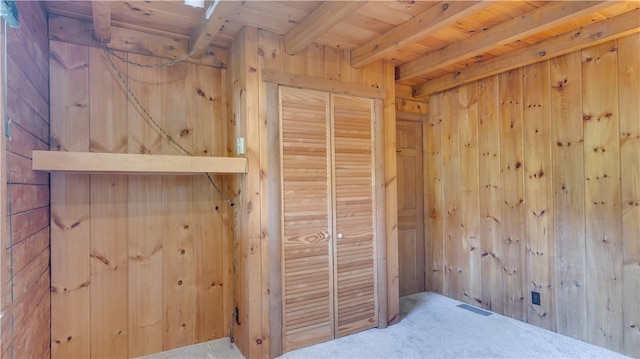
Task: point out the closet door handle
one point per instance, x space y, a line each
340 236
326 235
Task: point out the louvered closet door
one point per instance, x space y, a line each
355 266
307 220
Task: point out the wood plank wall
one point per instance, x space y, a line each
25 240
252 51
139 264
552 191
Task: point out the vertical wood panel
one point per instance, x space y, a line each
315 60
513 207
178 116
295 64
490 210
538 195
108 209
469 192
558 186
70 277
178 270
568 195
629 92
270 54
254 327
332 68
146 225
263 221
455 266
209 241
433 191
257 244
602 195
391 200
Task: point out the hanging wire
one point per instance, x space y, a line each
150 118
163 64
235 316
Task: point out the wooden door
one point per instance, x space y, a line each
307 287
328 210
355 267
411 239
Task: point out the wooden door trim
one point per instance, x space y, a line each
411 116
322 84
275 226
380 213
274 223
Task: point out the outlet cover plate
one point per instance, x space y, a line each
535 298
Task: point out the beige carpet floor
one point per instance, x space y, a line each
431 326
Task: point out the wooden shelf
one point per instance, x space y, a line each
126 163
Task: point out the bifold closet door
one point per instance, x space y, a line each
329 269
307 287
353 186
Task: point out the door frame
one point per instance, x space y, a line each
274 194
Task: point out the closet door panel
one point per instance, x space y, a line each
306 220
354 200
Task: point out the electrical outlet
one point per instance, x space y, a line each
535 298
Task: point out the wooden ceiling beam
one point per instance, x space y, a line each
215 17
538 20
420 26
101 12
597 33
74 31
323 18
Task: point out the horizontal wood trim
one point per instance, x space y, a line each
80 32
321 84
597 33
95 162
411 116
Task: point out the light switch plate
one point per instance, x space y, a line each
240 148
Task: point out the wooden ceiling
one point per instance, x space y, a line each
434 44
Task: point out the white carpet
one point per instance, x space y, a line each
219 348
431 326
